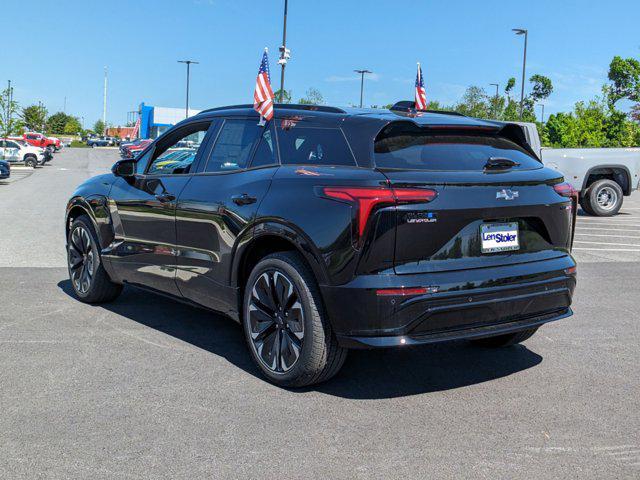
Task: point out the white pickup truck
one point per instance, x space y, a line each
601 175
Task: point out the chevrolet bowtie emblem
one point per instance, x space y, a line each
507 194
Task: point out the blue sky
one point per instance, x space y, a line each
459 43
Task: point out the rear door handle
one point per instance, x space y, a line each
243 199
165 197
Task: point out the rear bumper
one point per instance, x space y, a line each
472 303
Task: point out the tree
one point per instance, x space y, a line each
542 88
509 87
10 121
57 122
34 117
312 97
73 126
286 97
99 127
624 75
474 103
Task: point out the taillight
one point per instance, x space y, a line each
365 199
566 190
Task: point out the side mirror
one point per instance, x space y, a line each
124 168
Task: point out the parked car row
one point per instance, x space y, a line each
133 148
17 150
102 141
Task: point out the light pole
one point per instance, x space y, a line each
285 53
495 105
104 104
542 116
522 31
362 72
188 63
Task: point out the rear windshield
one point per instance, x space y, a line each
408 147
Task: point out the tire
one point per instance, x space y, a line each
89 279
584 203
94 146
30 161
505 340
311 353
604 198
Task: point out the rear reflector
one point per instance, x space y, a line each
405 291
365 199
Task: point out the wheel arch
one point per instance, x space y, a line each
91 207
609 171
271 237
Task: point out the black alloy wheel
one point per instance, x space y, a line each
276 320
81 260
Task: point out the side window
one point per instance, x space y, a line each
266 151
142 162
313 146
175 153
12 145
234 145
32 137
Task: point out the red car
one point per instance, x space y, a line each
39 140
132 151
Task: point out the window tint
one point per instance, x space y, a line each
409 147
266 152
12 145
175 153
314 146
142 162
234 145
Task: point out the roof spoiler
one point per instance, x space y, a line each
282 106
407 106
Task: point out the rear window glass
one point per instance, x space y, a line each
313 146
413 148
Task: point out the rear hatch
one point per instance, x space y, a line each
496 204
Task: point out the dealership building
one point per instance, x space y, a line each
154 121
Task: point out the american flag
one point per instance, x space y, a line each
421 93
263 95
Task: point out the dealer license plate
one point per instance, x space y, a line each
499 237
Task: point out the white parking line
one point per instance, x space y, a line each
602 229
608 249
603 243
616 224
605 235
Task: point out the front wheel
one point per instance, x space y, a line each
89 279
505 340
285 326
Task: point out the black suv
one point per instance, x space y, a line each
328 229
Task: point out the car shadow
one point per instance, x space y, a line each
367 374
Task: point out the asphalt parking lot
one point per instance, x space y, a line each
148 388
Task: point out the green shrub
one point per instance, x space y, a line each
78 144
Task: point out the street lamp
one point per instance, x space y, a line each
522 31
188 63
285 53
362 72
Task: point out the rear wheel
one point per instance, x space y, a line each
285 326
89 280
30 161
603 198
505 340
